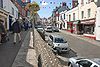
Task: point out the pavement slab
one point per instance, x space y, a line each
26 56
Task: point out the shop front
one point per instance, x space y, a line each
3 17
88 27
75 26
70 27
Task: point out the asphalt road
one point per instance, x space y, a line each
8 51
78 47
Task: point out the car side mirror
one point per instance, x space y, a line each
77 62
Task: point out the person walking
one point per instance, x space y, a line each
16 30
2 30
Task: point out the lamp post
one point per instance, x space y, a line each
33 8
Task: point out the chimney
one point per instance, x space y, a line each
63 4
74 3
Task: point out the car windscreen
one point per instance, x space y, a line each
59 40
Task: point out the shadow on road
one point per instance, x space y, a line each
69 54
66 56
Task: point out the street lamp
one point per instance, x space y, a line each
33 8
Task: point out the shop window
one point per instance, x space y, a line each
68 27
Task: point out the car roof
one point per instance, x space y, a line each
56 36
96 60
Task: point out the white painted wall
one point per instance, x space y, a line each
97 26
85 8
70 12
7 6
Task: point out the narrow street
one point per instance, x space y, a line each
8 51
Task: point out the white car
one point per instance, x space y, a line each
49 29
83 62
58 43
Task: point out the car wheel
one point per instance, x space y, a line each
70 65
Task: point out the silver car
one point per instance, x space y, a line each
58 43
83 62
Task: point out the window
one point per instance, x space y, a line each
64 16
73 16
85 63
69 17
59 40
82 14
61 17
1 3
89 1
92 0
82 2
89 13
12 11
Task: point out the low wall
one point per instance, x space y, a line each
45 56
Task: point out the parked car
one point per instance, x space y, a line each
40 29
55 29
58 43
83 62
49 29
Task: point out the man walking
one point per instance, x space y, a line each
16 30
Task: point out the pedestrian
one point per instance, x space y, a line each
16 29
2 30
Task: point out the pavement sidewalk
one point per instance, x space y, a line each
82 37
26 56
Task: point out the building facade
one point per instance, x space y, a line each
60 16
4 17
97 23
72 20
87 16
13 12
81 18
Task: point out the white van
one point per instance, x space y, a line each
58 43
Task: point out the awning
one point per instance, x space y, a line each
69 22
88 22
